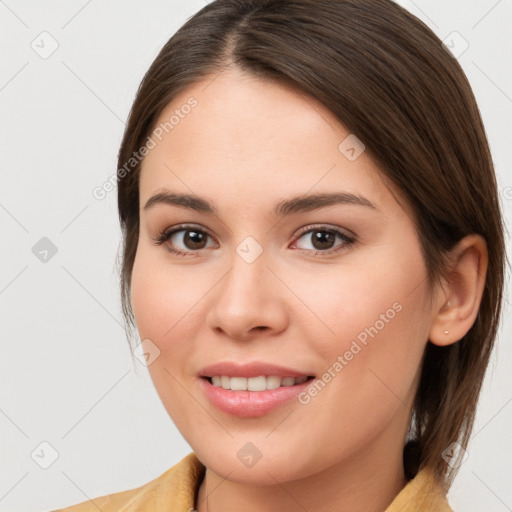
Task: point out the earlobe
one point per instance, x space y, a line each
458 305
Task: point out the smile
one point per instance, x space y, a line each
260 383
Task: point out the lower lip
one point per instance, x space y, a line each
251 404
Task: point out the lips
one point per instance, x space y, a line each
228 386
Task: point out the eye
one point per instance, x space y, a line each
189 239
321 239
186 239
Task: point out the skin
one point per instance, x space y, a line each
246 146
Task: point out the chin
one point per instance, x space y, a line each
242 462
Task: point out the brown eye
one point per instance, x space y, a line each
194 239
183 239
323 240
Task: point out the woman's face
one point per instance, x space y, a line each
306 266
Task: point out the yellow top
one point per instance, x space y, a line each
176 490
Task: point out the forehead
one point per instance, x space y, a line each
238 137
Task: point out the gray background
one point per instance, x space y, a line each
68 378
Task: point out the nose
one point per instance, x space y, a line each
249 301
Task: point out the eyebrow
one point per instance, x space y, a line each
287 207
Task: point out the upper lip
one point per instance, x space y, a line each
254 369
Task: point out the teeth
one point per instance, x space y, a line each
238 383
225 382
273 382
260 383
256 383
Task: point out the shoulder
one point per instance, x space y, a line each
173 490
421 494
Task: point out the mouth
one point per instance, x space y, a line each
259 383
252 389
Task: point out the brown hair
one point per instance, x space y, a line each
392 83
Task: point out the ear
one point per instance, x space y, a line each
463 291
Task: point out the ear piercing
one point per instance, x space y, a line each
447 305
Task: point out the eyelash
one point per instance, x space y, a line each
165 235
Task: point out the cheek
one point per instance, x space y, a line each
165 314
163 297
370 328
379 294
371 361
166 307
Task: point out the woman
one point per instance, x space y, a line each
313 257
